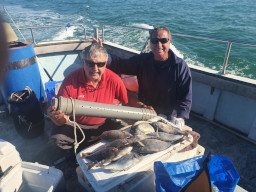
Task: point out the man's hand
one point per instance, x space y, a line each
147 107
98 41
57 117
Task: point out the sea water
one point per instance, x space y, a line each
224 19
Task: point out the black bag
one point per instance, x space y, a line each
26 113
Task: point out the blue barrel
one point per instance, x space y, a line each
22 71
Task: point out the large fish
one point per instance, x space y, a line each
100 157
113 135
163 127
160 136
124 163
166 136
122 152
141 127
152 146
118 143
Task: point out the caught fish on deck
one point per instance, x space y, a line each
152 146
163 127
161 136
118 143
100 157
122 152
124 163
166 136
112 135
141 127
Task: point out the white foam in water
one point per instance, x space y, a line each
65 33
176 51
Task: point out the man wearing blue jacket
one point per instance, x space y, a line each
164 79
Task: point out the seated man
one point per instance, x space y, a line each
94 83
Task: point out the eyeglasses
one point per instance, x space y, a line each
156 40
92 64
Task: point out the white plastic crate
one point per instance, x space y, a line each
26 176
104 180
142 181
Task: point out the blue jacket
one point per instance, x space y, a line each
164 85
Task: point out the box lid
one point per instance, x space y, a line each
9 156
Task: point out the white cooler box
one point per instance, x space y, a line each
138 178
20 176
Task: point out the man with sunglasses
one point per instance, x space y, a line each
164 79
94 83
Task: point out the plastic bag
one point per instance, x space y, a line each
179 176
26 113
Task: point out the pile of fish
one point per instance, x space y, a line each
125 149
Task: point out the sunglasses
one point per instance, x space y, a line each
92 64
156 40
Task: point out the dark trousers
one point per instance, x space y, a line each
64 138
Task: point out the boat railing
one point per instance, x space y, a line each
222 72
230 42
50 26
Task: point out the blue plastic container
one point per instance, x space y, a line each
50 90
22 71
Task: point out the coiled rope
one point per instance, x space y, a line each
19 97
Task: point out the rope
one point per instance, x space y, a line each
19 97
14 23
76 145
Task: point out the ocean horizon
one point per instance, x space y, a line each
228 19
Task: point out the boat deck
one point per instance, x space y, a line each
213 138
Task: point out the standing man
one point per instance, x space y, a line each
94 83
164 79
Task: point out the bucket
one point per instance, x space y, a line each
22 71
27 114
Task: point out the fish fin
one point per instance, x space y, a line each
140 143
90 165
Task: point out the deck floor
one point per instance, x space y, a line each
215 140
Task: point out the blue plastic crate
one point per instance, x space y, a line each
50 90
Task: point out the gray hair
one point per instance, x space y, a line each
93 51
160 28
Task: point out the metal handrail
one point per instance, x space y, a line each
50 26
194 36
